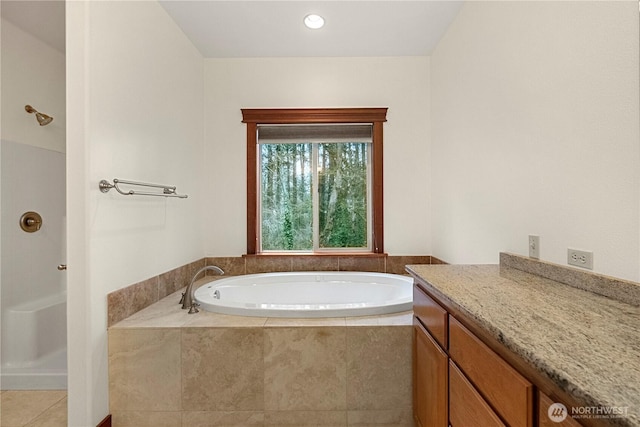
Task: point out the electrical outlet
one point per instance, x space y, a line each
583 259
534 246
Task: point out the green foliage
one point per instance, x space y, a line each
343 196
287 230
287 198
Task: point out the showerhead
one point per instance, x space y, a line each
42 118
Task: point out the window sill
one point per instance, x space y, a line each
317 254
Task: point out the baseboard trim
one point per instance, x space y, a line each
106 422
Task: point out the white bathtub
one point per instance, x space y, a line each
308 294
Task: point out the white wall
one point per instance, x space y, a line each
32 73
401 84
135 112
535 131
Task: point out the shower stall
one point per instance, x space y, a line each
33 347
33 291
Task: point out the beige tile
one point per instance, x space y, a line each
144 369
117 306
286 322
222 369
206 319
173 280
404 318
395 264
146 419
195 266
222 418
55 416
232 266
143 294
379 367
306 418
305 369
268 264
127 301
314 263
435 260
20 407
401 417
362 263
166 313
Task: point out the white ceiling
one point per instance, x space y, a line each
224 29
238 28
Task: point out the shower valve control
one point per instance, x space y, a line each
30 222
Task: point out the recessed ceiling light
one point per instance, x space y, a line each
314 21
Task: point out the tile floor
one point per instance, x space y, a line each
37 408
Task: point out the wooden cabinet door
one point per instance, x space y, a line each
466 406
430 382
508 392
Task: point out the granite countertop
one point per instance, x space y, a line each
587 344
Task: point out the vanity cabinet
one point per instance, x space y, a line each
458 380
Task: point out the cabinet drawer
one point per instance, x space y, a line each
432 316
544 402
466 406
510 394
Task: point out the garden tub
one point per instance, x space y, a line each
308 294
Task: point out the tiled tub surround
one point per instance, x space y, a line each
131 299
585 344
169 368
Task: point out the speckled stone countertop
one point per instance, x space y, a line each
587 344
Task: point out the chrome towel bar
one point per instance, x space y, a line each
167 190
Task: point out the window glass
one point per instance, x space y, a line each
314 188
343 188
286 197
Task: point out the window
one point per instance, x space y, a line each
314 183
314 180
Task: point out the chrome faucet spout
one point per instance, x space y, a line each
188 300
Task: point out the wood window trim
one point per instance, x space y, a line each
254 117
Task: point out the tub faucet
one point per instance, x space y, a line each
187 299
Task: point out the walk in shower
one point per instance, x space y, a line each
33 348
33 294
